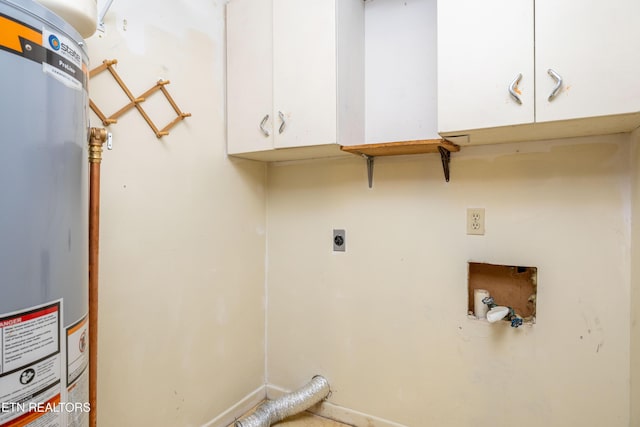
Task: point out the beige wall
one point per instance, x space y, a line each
635 282
183 228
386 321
183 249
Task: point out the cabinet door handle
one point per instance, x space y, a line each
284 123
262 123
558 85
512 88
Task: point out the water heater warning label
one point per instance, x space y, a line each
28 337
30 367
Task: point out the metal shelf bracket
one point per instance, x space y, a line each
369 160
103 12
445 155
397 148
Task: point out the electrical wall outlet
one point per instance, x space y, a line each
339 240
475 221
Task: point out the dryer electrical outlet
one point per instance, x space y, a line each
339 240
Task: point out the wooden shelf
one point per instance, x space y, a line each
424 146
399 148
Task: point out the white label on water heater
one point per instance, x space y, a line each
77 349
77 372
63 60
30 366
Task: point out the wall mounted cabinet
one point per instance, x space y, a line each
484 48
295 77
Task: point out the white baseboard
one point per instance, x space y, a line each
338 413
236 411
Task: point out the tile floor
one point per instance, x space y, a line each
306 419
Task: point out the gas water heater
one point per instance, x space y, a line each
43 219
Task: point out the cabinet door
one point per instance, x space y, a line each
593 46
304 77
249 76
482 47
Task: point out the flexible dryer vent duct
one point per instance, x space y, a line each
290 404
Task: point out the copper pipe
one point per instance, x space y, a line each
97 138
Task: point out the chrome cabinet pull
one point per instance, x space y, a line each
284 123
512 88
262 123
558 85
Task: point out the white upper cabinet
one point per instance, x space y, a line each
483 46
592 47
249 76
295 77
304 84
